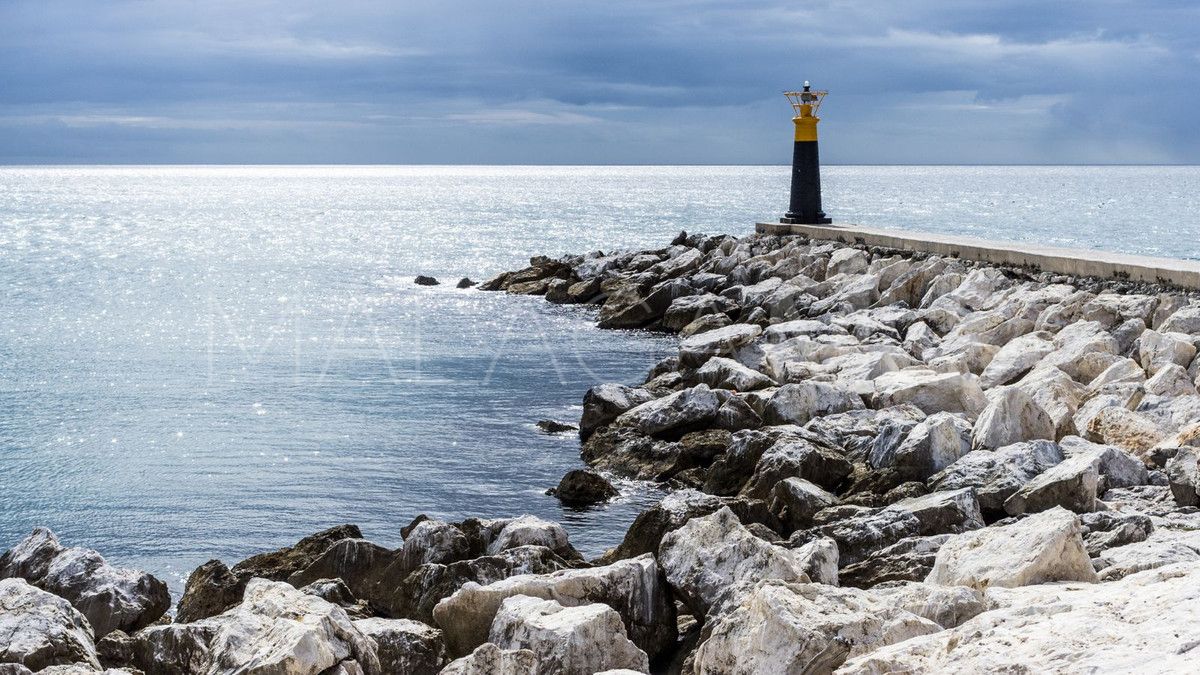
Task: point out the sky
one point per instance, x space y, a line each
610 82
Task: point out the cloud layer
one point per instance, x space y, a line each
541 81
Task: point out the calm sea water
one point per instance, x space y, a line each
203 362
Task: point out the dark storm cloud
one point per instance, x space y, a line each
528 81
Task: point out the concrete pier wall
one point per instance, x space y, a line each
1075 262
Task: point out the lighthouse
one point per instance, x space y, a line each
804 206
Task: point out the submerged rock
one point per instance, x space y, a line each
582 487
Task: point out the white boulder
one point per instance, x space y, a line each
1038 549
578 640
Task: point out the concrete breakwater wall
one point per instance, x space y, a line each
1034 257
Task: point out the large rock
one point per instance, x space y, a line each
697 349
938 513
648 529
488 659
1012 416
277 629
722 373
1159 350
1070 484
799 403
909 559
283 563
930 391
675 414
781 627
1042 548
605 402
405 646
577 640
794 501
928 447
111 598
357 562
1183 472
583 487
634 588
211 589
997 475
1147 622
39 629
533 531
798 458
706 556
1163 547
1016 358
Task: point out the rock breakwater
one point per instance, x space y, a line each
875 462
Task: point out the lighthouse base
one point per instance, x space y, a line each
792 219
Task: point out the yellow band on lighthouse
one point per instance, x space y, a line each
806 128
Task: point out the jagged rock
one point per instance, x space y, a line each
697 349
405 646
604 403
819 560
488 659
582 487
930 391
1056 393
708 554
335 591
1184 320
1133 625
795 501
415 594
466 282
787 330
995 476
1070 484
624 451
634 588
357 562
909 559
1044 547
677 413
283 563
632 306
1171 380
1163 547
1125 428
1118 469
648 529
40 629
799 403
799 458
937 513
735 414
847 261
1159 350
211 589
533 531
686 309
433 541
578 640
264 630
787 627
704 324
1012 416
111 598
1104 530
928 446
1016 358
555 427
1183 472
722 373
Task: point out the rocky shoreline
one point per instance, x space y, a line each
878 462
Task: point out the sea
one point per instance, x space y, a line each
205 362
